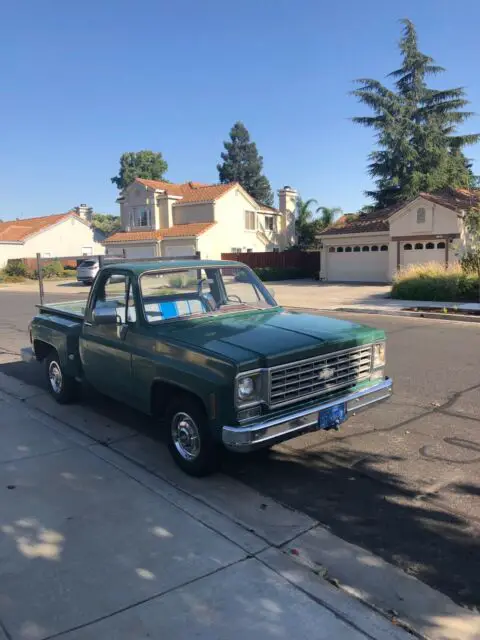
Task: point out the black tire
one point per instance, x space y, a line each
199 463
61 386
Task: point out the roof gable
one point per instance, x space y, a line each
21 230
188 230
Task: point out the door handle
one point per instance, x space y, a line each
87 324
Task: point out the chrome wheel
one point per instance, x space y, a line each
55 376
186 436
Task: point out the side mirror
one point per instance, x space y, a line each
105 315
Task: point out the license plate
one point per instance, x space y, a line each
332 417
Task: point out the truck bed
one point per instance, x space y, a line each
73 309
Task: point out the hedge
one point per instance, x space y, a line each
432 282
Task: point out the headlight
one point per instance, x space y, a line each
245 388
248 389
378 355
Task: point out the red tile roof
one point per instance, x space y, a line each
189 191
377 221
20 230
190 230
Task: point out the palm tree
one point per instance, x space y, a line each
328 215
304 224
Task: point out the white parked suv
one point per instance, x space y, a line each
87 270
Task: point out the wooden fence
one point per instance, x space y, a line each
306 261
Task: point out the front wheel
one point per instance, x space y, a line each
189 439
62 386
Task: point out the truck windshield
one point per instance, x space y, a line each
181 293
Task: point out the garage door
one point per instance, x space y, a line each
179 250
421 252
141 252
368 263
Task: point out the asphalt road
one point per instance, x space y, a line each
402 479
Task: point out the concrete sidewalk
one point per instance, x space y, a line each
101 536
94 546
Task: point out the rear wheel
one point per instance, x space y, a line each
189 438
62 386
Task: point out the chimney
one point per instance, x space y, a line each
85 212
287 203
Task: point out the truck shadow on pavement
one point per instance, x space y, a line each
374 510
344 491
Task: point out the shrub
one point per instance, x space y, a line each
268 274
432 282
53 270
16 268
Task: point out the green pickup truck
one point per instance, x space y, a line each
203 346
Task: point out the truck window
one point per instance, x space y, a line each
116 291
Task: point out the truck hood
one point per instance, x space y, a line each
270 338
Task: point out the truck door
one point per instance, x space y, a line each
105 349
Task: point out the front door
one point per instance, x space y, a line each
105 349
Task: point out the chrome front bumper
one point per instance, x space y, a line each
267 432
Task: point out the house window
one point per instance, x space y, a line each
339 249
421 216
429 245
365 248
419 246
384 247
441 245
407 247
374 248
348 249
236 249
276 250
356 249
250 220
331 249
270 223
87 251
141 217
249 250
46 254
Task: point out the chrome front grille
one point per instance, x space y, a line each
319 376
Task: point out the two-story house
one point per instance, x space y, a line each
161 219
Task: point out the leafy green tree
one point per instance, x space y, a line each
242 163
470 248
309 223
106 223
140 164
416 129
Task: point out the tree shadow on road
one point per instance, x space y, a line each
375 510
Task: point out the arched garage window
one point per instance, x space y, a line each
418 246
384 247
356 249
407 247
331 249
365 248
441 245
374 248
339 249
430 245
348 249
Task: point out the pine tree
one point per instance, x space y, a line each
419 149
241 163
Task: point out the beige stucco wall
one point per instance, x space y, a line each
64 239
202 212
137 195
438 220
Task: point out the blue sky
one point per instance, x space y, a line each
84 81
